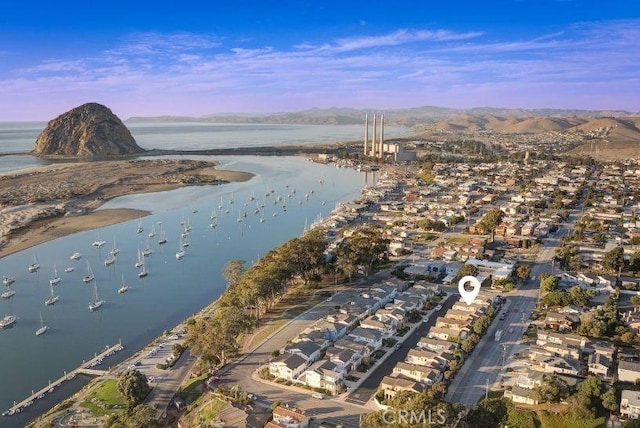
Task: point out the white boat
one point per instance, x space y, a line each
8 280
139 262
109 260
8 294
69 269
115 250
43 328
147 251
87 279
143 272
140 229
123 288
8 321
53 299
213 215
56 279
99 243
97 302
153 231
163 237
33 267
76 256
180 254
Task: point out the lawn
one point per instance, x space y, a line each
209 411
104 399
192 388
554 420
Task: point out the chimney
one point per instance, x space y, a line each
373 137
366 132
381 136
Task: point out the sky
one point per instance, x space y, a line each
198 58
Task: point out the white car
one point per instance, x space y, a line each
437 308
317 395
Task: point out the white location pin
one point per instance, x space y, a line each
469 296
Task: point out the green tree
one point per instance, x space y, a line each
609 400
233 272
635 300
634 262
548 282
143 417
523 271
613 260
133 386
579 297
365 247
552 390
466 270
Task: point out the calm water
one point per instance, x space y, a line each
174 289
19 137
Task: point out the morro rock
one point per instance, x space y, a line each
86 131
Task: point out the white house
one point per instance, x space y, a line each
287 366
628 371
630 404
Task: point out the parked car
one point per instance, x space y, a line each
317 395
438 307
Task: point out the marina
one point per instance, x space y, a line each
170 290
85 368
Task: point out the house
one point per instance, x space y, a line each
451 323
630 404
530 379
345 359
324 374
374 323
391 385
287 366
561 366
356 346
521 395
423 357
446 333
306 349
368 336
561 321
437 345
288 417
545 336
628 371
423 374
599 365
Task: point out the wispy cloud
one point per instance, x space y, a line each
196 74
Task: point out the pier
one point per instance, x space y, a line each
86 368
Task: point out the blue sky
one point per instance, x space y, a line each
198 58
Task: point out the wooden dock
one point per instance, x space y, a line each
85 368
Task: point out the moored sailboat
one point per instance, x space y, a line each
56 279
124 287
33 267
97 302
53 299
43 328
89 277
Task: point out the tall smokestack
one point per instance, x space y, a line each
366 133
382 136
373 137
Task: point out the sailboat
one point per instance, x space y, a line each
140 229
53 299
180 253
43 328
115 250
147 251
8 294
124 288
56 279
163 236
87 279
8 280
143 272
69 269
139 261
153 231
75 256
97 302
99 243
8 321
33 267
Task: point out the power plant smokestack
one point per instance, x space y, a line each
381 136
366 133
373 137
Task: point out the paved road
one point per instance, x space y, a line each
369 386
483 368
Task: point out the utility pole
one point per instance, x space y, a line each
486 391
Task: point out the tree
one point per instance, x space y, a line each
578 296
613 260
143 417
490 220
523 271
466 270
362 249
635 300
552 389
133 386
634 262
609 400
233 272
548 282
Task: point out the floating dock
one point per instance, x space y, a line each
86 368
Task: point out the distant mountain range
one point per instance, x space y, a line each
407 117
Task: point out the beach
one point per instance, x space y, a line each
52 201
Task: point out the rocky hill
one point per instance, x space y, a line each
89 130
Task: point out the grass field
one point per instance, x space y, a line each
191 389
105 399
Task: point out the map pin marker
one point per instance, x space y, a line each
469 296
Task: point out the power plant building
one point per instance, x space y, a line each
377 148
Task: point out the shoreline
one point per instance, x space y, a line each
38 218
